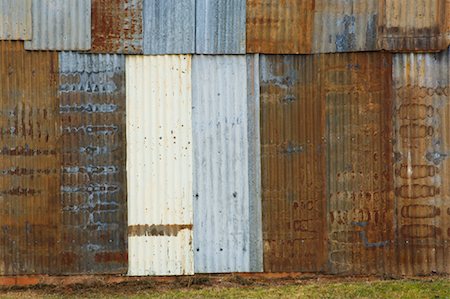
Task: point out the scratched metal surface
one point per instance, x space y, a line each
93 179
15 20
422 176
29 161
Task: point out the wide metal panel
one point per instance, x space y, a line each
15 20
93 184
61 25
159 164
414 25
220 27
117 26
169 27
422 167
29 161
222 190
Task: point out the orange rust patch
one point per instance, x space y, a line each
171 230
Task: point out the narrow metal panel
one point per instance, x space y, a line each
169 27
222 181
15 20
61 25
93 181
220 27
29 161
422 176
159 165
413 25
360 208
117 26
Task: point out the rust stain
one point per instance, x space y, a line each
170 230
111 257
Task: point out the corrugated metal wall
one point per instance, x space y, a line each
160 169
15 20
93 182
60 25
221 129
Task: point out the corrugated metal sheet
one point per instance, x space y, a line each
422 176
222 182
220 27
410 25
61 25
117 26
159 164
93 184
15 20
30 161
169 27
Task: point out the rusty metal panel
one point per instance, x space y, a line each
413 25
60 25
360 201
117 26
93 184
292 164
15 20
422 176
284 26
220 27
159 164
169 27
29 161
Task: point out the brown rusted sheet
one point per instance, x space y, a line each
117 26
29 160
93 185
422 167
356 88
293 164
413 25
284 26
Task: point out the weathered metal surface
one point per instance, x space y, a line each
222 182
292 164
159 164
60 25
220 26
15 20
422 177
360 203
413 25
93 184
117 26
29 161
169 27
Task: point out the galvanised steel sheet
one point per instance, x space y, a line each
15 20
414 25
225 194
117 26
93 179
159 165
220 26
61 25
422 176
169 27
29 161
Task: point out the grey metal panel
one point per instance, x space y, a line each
15 20
169 27
220 27
61 25
222 185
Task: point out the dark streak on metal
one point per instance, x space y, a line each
170 230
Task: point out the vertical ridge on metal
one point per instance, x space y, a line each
15 20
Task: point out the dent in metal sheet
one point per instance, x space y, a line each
60 25
220 26
93 186
15 20
117 26
169 27
29 161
